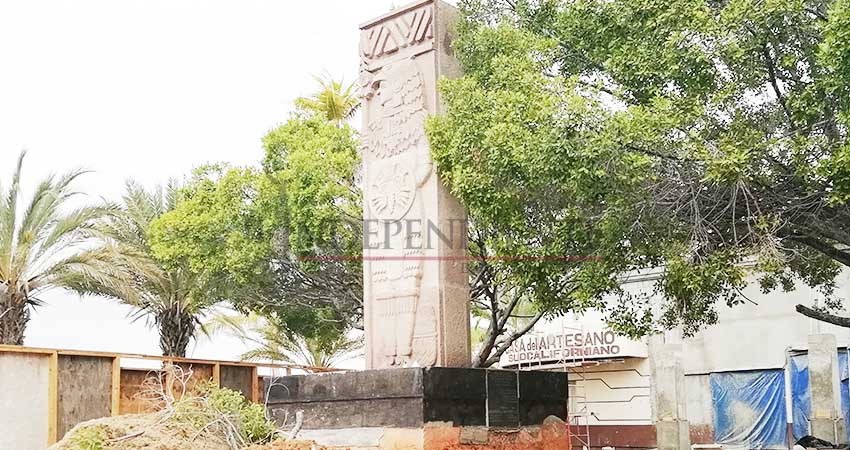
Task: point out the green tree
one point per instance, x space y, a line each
172 297
316 165
693 135
43 245
274 241
513 147
222 228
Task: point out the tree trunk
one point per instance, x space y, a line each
14 316
176 329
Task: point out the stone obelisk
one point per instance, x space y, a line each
416 288
416 291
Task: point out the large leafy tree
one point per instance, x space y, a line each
273 240
45 244
172 297
514 146
315 164
706 137
221 228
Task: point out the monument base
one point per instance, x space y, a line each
425 408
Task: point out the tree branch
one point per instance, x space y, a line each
827 249
823 317
772 78
506 344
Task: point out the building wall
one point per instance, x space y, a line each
755 335
617 402
617 392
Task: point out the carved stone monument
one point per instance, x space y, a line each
421 395
416 291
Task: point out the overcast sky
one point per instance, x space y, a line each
148 89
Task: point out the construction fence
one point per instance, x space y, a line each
46 392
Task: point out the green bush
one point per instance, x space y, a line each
256 427
213 402
88 438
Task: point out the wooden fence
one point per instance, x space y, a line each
46 392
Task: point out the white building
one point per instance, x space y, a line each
749 351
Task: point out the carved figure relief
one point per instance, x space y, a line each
399 165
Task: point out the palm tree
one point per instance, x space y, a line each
274 343
334 100
171 298
43 246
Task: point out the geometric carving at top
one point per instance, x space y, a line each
399 32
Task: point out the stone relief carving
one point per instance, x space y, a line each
408 29
392 193
399 165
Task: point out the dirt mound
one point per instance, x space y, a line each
151 432
143 431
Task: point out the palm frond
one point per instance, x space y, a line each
8 219
271 341
334 100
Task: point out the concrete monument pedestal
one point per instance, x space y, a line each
424 407
414 397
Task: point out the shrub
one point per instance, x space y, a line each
89 438
224 410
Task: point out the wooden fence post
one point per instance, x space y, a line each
53 398
216 374
255 385
116 386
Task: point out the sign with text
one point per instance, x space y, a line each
571 345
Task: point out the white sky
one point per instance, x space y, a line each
148 89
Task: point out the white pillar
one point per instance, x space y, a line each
668 396
826 418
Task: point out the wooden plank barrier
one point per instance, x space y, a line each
46 392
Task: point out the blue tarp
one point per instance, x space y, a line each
749 408
801 401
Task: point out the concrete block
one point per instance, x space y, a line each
474 435
668 395
673 435
403 439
